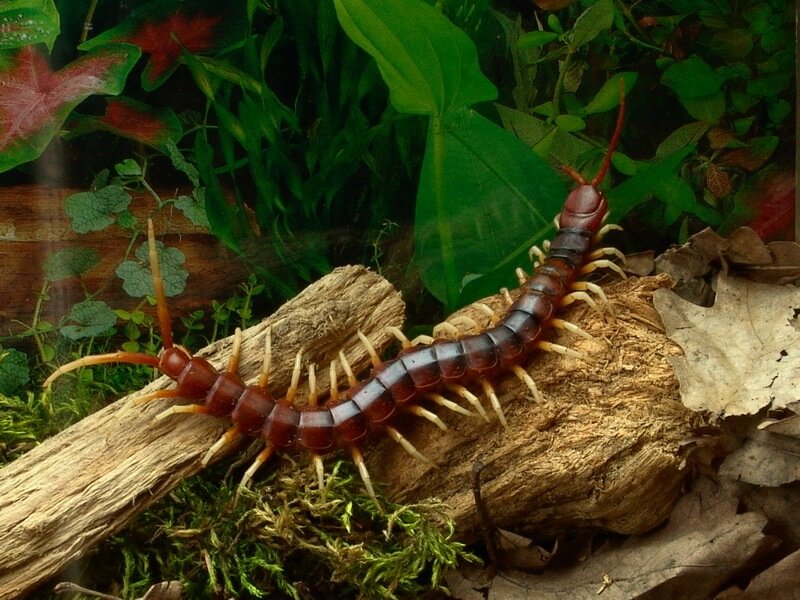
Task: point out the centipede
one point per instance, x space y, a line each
424 372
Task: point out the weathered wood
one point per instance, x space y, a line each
34 225
605 450
75 489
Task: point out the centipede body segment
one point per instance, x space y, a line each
425 371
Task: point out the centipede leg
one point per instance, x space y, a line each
449 404
196 409
550 347
320 470
605 229
603 263
401 337
158 394
523 376
580 295
449 329
571 327
485 309
490 393
536 256
291 393
469 397
426 414
506 296
227 438
608 251
373 354
408 446
358 459
584 286
351 378
522 276
263 378
262 457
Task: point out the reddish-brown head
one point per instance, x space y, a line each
584 209
173 360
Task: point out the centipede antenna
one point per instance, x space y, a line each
408 446
134 358
571 327
358 458
291 393
523 376
603 263
320 470
426 414
334 383
312 385
469 397
262 457
522 276
373 354
449 404
197 409
447 328
263 379
573 174
612 145
550 347
351 379
401 337
493 399
158 394
227 438
233 365
158 287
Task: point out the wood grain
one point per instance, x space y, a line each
82 485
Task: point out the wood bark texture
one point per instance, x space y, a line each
82 485
605 449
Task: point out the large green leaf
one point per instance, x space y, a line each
483 195
429 64
28 22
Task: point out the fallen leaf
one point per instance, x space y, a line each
766 458
702 544
781 580
740 355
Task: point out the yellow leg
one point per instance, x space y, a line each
373 354
227 438
408 446
495 402
262 457
426 414
449 404
144 398
469 397
197 409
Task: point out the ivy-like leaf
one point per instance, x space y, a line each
194 207
92 317
35 101
429 64
70 262
137 279
95 210
594 20
14 371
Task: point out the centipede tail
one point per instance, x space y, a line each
423 372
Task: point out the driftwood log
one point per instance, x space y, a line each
80 486
602 451
605 449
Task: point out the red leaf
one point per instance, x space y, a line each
35 101
163 30
772 202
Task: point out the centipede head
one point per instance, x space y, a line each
173 360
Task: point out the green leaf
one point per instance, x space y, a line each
692 78
536 39
708 109
678 198
28 22
779 110
683 136
128 168
97 209
92 317
430 66
570 123
638 189
608 96
594 20
14 371
194 207
483 195
70 262
137 279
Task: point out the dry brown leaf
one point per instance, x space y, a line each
765 459
781 580
742 354
703 542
